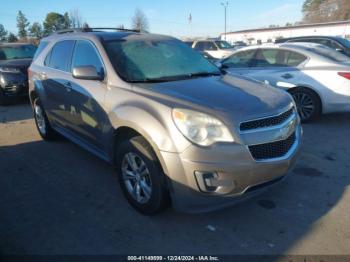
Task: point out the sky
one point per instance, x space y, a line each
165 16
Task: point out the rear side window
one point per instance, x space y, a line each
40 48
60 55
85 54
240 60
278 58
204 46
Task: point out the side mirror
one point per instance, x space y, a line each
219 64
87 72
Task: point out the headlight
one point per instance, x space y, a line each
9 69
200 128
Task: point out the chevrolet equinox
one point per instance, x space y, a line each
175 127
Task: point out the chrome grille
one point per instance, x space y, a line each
266 122
273 149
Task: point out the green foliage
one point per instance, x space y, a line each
53 22
3 33
22 25
36 30
12 38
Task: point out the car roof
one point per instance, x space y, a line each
311 36
105 35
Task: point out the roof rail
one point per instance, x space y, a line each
94 29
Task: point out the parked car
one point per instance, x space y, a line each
170 122
209 57
316 76
339 44
14 62
216 48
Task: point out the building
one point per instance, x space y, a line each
267 35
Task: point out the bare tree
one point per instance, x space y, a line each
75 18
140 21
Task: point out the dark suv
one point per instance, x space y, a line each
14 62
337 43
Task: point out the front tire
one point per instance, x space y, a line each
309 104
141 177
42 123
4 101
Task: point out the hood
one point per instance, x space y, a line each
240 98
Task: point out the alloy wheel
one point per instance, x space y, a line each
136 177
305 105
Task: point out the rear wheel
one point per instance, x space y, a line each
41 121
3 99
141 176
308 103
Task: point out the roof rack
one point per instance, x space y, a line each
94 29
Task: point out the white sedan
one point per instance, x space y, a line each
316 76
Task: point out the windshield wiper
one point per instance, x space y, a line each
175 78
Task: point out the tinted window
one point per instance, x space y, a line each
204 46
60 55
17 52
295 59
277 58
40 48
240 59
85 54
137 60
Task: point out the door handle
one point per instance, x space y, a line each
287 76
68 86
43 76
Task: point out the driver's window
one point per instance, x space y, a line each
85 55
240 60
211 46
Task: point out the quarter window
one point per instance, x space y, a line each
60 55
85 55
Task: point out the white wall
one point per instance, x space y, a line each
275 33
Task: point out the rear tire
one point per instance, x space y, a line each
308 103
42 123
4 101
141 176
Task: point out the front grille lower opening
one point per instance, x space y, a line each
273 149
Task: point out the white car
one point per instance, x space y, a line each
216 48
316 76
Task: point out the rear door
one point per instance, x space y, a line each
55 78
277 67
89 119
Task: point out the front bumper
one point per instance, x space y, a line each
14 85
238 175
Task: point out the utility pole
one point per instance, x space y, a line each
225 5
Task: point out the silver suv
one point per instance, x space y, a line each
176 128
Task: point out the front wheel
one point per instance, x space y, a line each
141 177
308 103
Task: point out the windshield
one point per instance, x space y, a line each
223 45
329 53
156 60
345 42
17 52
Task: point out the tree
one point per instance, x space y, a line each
85 25
36 30
140 21
121 26
75 18
22 25
3 33
12 38
319 11
53 22
67 21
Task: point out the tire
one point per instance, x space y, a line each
308 103
141 177
4 101
42 123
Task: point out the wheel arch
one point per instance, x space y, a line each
316 92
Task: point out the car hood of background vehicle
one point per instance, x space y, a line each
241 97
16 62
